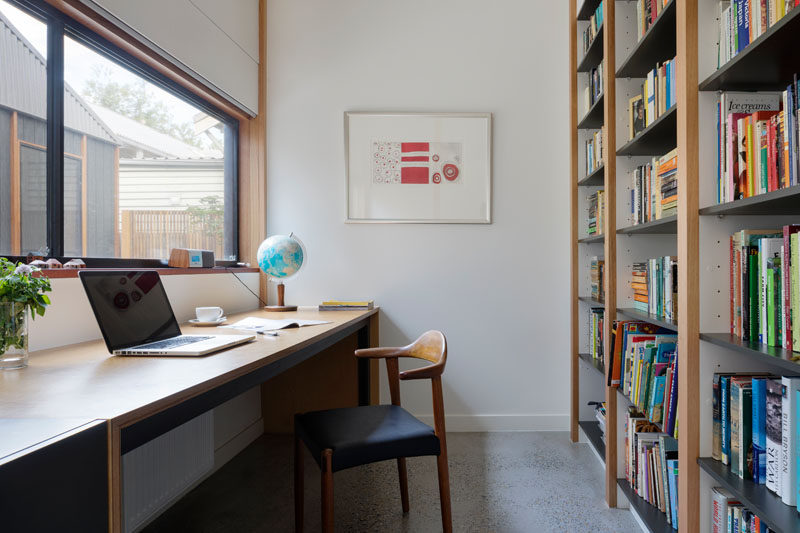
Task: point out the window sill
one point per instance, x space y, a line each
64 273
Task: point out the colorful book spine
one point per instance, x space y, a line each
790 386
759 430
774 435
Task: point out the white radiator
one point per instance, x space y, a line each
156 473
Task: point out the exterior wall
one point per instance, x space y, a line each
5 181
33 178
162 185
100 201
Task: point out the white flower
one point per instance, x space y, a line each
25 270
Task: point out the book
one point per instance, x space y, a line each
672 475
789 387
721 500
741 427
635 116
774 422
759 429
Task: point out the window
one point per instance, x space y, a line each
145 167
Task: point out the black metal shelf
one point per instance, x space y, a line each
592 239
772 355
587 9
591 301
657 139
657 45
594 179
647 317
593 118
662 226
781 202
594 54
595 437
768 506
654 520
597 364
768 63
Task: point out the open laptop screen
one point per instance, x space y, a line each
131 307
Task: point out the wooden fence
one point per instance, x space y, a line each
152 234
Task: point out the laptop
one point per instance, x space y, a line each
134 314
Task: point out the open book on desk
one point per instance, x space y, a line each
253 323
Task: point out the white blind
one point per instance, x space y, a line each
217 41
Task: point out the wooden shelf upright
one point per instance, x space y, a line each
673 34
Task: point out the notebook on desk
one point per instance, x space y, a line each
135 317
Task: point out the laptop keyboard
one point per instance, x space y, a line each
172 343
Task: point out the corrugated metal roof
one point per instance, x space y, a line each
23 85
135 134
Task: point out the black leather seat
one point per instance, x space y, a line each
362 435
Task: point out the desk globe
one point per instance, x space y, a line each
281 257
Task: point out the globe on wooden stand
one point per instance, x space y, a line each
281 257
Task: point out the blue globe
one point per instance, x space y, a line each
280 256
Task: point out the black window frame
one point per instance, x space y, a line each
59 26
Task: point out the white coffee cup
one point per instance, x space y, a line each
208 314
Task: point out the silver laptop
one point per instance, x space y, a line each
135 316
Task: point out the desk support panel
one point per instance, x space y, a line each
155 425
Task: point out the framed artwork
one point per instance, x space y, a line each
418 167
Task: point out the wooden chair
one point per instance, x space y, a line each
353 436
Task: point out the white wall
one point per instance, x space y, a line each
216 40
499 292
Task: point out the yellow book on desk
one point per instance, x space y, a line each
346 305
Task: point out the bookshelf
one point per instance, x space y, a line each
588 375
627 59
698 235
768 63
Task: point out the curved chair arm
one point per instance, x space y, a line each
380 353
425 372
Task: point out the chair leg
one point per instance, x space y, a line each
327 491
444 491
403 473
298 485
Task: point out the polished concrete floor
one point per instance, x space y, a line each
500 482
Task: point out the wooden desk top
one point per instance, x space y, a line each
85 381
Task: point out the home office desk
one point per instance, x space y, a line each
140 398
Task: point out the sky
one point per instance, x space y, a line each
80 63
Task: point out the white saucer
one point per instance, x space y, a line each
217 322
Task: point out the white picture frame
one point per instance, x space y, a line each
418 168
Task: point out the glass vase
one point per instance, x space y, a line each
13 335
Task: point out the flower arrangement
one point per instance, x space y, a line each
20 291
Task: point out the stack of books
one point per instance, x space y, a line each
655 287
647 11
656 98
755 423
765 287
743 21
595 88
729 515
594 152
597 209
758 143
596 333
346 305
651 465
654 189
595 23
596 278
639 286
667 177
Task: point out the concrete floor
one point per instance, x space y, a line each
499 482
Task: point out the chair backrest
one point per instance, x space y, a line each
431 346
